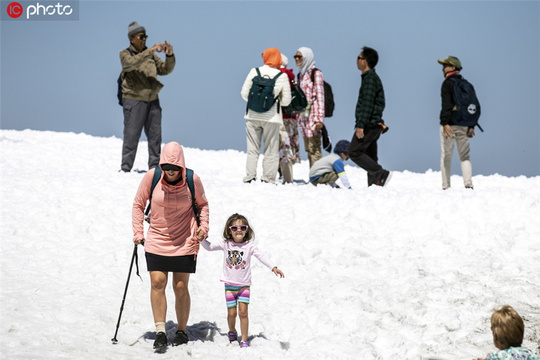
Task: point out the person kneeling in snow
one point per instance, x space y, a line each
327 170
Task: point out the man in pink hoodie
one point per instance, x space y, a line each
171 243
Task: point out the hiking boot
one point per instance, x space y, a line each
161 340
384 179
244 344
233 336
180 338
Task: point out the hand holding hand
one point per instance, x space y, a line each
201 234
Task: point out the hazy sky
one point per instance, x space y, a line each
61 75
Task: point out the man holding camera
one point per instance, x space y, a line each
140 88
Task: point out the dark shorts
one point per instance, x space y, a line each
181 264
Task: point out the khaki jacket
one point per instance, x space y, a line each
140 71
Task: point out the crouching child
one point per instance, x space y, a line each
328 169
508 329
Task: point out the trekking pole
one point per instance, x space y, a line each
134 259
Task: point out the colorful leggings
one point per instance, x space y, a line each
235 294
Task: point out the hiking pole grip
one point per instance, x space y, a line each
133 257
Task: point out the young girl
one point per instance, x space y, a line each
508 328
238 249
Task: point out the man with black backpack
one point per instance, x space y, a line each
265 92
454 126
138 94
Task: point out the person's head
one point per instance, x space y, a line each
367 60
507 327
137 35
272 57
171 161
171 172
450 64
284 61
237 229
342 149
304 59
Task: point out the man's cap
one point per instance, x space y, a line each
135 28
451 60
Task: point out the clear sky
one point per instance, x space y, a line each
61 75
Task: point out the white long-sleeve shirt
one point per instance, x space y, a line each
237 260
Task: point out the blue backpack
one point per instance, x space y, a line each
191 186
261 95
466 111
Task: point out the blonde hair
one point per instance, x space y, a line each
507 327
227 235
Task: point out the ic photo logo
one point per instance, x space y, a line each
14 10
40 10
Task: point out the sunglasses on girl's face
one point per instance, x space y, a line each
236 228
297 57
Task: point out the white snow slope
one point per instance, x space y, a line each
403 272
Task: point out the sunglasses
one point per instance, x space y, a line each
360 58
240 227
297 56
142 37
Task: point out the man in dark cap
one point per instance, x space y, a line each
140 88
449 130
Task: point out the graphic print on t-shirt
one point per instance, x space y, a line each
235 260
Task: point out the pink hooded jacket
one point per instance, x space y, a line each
173 225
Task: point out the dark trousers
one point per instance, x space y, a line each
363 152
139 115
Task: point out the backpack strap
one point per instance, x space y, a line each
277 97
191 186
313 75
313 81
155 180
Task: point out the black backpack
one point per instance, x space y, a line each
119 81
328 96
466 111
261 95
298 102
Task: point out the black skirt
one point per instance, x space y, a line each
181 264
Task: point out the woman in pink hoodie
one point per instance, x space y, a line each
172 240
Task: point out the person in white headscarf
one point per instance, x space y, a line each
311 121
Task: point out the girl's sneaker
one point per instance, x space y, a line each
244 344
233 336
